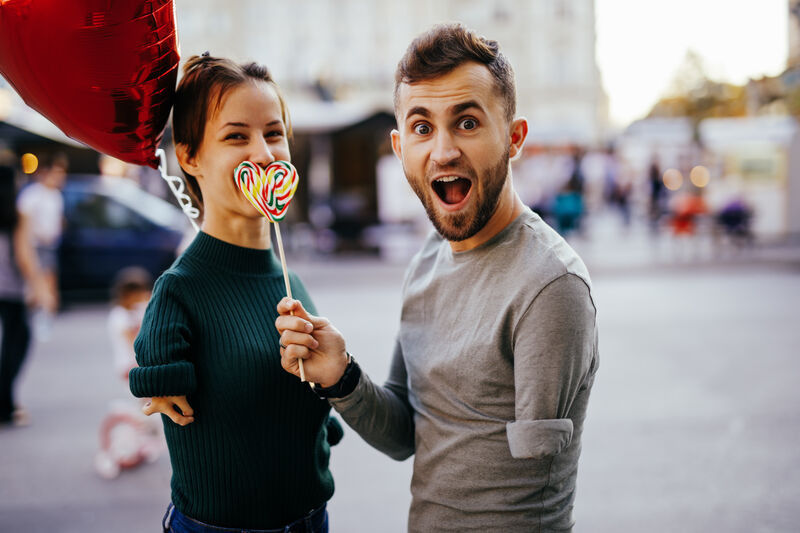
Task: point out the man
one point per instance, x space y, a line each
497 348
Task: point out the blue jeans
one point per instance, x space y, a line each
175 521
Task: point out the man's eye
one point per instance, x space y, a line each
469 124
422 129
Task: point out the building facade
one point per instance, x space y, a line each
347 50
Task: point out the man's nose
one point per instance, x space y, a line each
445 150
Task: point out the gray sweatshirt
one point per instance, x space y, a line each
489 384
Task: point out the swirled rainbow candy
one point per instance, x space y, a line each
251 181
282 179
269 190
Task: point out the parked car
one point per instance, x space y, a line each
111 224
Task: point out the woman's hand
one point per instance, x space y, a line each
175 407
312 339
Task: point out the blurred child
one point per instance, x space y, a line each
127 436
131 292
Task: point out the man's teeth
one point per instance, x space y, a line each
447 179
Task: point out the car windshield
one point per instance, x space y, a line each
150 207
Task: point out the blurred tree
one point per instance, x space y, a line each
693 94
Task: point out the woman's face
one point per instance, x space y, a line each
248 125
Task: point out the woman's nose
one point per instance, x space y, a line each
261 154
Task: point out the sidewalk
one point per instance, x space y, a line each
608 247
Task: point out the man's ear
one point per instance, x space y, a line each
396 146
188 163
519 132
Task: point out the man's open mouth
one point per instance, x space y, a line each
452 190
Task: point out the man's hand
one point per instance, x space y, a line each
175 407
312 339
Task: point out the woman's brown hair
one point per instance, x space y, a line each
205 82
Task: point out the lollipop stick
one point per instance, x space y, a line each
288 286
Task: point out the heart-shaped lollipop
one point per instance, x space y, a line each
251 182
282 180
270 190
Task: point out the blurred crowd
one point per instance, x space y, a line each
568 185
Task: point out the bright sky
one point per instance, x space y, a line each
641 43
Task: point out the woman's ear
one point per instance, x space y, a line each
519 131
188 163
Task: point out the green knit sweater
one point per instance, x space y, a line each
256 456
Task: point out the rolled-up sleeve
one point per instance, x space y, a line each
536 439
163 346
555 346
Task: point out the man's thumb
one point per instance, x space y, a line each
318 321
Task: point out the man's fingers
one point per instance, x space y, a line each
297 351
293 323
290 337
319 322
288 306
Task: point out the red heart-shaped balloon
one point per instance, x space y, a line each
102 71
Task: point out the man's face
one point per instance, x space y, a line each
454 142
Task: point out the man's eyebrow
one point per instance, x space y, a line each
460 108
418 110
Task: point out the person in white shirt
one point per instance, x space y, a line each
41 202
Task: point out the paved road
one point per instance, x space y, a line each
693 424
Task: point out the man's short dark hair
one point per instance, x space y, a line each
445 47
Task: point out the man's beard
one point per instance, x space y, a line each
463 225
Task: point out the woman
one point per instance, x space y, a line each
249 444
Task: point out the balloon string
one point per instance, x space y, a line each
177 187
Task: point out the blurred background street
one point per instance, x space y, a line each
664 145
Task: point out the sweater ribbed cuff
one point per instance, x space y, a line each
173 379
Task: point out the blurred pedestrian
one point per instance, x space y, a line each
686 209
568 207
735 220
249 444
657 193
43 205
618 186
19 269
497 349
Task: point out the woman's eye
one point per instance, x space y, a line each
234 136
422 129
274 135
469 124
